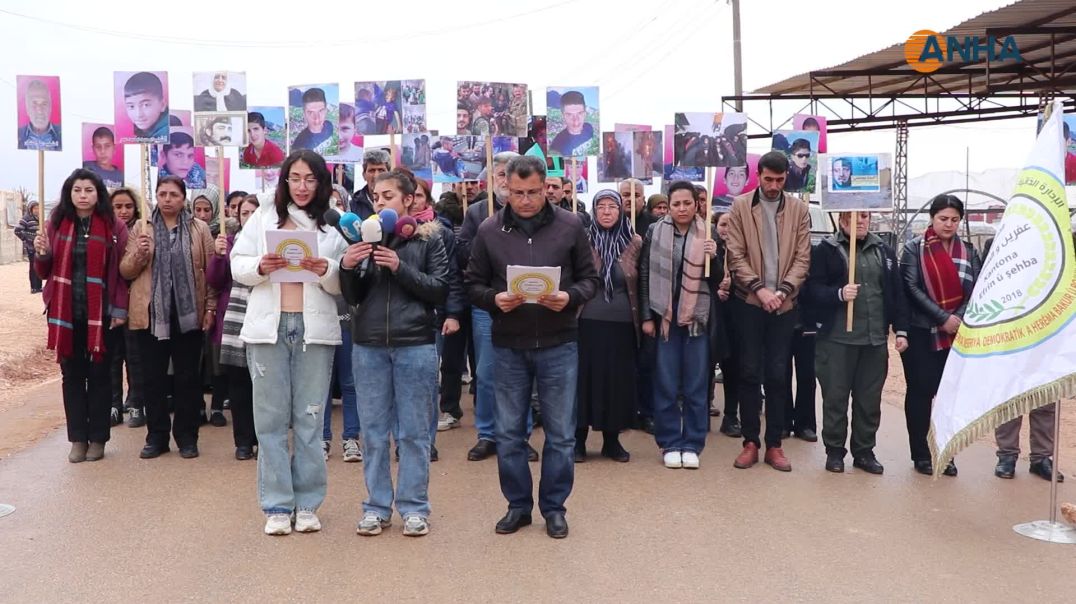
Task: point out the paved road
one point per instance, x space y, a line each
171 529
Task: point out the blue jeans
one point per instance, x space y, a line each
290 382
682 368
484 398
555 370
345 377
436 399
399 385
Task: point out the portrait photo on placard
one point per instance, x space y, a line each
812 123
614 163
491 108
673 172
313 113
573 121
732 181
101 155
857 182
801 149
182 158
646 155
458 158
577 173
141 105
220 129
38 109
710 139
265 179
220 91
416 154
351 143
267 129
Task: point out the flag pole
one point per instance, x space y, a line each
1050 530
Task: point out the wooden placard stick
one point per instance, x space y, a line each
220 186
575 197
392 150
489 173
632 195
709 214
41 189
851 264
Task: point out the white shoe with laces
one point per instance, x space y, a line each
307 522
673 460
325 446
278 524
447 422
416 526
352 450
690 460
371 524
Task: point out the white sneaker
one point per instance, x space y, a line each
278 524
690 459
371 524
673 460
307 522
416 526
352 450
325 445
466 378
447 422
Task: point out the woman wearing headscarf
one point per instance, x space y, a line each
609 330
170 308
939 271
79 254
205 203
675 305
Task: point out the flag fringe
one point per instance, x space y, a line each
1022 404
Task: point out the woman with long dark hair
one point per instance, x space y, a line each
609 330
939 271
123 343
171 306
290 331
79 253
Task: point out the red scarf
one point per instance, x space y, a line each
60 312
942 278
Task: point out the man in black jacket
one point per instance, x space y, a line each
533 342
375 162
854 363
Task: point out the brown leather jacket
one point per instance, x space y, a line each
139 272
745 248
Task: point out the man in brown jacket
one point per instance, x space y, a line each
769 252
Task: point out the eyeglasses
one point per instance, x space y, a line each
309 181
532 194
803 155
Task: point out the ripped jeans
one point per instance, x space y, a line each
291 383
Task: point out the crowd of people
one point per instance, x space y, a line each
655 305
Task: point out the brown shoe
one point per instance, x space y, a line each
748 457
776 458
78 452
95 451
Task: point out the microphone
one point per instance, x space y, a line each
349 223
332 218
405 227
388 218
372 234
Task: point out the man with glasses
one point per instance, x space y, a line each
318 134
533 342
799 169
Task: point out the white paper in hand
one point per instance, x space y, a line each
293 246
532 281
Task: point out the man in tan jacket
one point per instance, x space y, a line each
769 252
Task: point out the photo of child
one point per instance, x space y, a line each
313 112
99 153
141 101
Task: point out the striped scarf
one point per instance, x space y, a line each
609 243
945 274
60 312
693 310
232 349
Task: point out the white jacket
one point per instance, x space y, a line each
321 322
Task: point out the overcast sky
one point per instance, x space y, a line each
649 61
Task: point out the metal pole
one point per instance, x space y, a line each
737 68
1050 530
1057 452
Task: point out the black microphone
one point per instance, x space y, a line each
332 218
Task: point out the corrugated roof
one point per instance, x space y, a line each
886 72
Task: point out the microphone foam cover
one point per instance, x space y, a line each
349 225
332 217
371 230
388 220
406 227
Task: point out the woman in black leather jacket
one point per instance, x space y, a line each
396 286
939 272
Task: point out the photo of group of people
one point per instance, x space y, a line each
573 121
313 112
801 148
857 182
390 107
141 107
491 108
38 103
458 158
812 123
99 153
710 139
731 181
266 138
673 171
416 154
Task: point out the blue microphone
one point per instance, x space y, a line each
388 218
349 225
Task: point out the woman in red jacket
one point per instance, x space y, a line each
79 254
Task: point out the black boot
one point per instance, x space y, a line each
580 445
612 448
